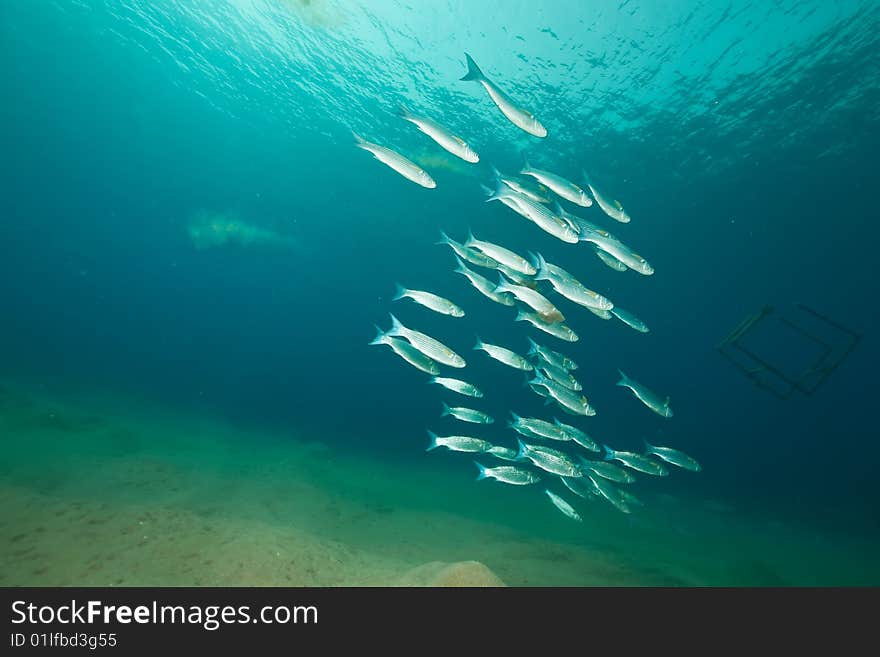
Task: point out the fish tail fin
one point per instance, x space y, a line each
586 177
461 268
380 335
526 167
399 292
521 446
607 453
359 141
479 344
433 379
433 442
503 285
541 266
519 316
444 238
495 172
470 238
498 191
482 474
514 419
446 410
532 259
473 72
403 112
557 208
533 347
649 448
624 379
396 326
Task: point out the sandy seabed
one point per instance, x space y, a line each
104 490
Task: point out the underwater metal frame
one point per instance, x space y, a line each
767 376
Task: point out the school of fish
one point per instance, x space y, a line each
566 460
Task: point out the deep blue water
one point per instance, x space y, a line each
741 137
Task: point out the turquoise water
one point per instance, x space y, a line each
188 226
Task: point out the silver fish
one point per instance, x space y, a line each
535 212
470 255
503 453
448 141
483 285
406 351
610 493
570 401
520 186
562 377
505 356
426 344
649 398
555 329
500 254
610 260
563 506
509 201
520 117
612 208
466 414
568 286
508 474
545 310
516 277
635 461
524 431
549 459
550 356
406 168
458 443
578 436
581 486
457 385
592 233
537 427
429 300
618 250
629 319
576 222
560 186
673 456
608 470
